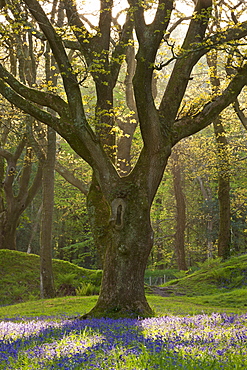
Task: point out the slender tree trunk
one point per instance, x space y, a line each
159 258
61 239
180 212
207 195
224 235
2 207
15 204
34 228
47 289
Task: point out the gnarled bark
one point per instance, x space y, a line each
130 239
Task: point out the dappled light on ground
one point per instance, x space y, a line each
215 341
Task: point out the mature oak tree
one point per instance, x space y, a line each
120 205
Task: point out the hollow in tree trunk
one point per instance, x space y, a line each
127 246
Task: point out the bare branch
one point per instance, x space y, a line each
182 69
71 178
36 96
187 126
69 78
240 113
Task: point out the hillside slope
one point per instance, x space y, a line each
212 278
19 276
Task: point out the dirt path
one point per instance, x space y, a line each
165 291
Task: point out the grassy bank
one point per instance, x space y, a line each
213 277
19 276
216 287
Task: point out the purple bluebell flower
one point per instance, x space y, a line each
170 342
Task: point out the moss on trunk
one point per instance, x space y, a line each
128 242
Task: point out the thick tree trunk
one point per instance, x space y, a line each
8 232
130 239
99 214
129 230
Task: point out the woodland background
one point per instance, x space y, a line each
186 212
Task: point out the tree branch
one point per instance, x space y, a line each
71 178
149 41
120 49
69 78
11 168
25 176
5 153
240 113
150 36
83 36
32 191
28 107
190 125
20 147
182 69
39 97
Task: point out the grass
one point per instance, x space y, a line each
71 306
76 306
197 331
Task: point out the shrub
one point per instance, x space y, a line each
86 289
66 284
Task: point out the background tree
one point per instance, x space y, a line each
47 288
179 241
223 170
20 185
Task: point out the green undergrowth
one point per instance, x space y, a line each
213 277
19 276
